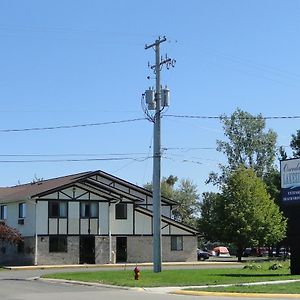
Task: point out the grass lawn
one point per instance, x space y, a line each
181 277
286 288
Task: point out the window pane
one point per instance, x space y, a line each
53 209
173 242
94 210
63 209
176 243
180 243
89 209
3 215
22 210
121 211
20 247
85 210
82 210
58 244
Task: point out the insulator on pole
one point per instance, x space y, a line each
165 97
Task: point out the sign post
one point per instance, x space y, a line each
290 202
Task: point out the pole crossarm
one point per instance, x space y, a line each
159 41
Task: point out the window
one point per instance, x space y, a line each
20 247
89 210
176 243
121 211
22 210
58 209
3 212
58 244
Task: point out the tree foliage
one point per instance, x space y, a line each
249 216
166 186
247 144
187 197
209 223
185 193
295 144
9 234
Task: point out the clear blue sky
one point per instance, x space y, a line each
72 62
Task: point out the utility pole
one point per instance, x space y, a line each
157 103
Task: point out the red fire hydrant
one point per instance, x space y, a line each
137 273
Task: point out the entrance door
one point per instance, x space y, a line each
121 255
87 250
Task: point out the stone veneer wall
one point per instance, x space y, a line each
56 258
9 254
139 249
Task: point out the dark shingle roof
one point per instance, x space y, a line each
30 190
39 188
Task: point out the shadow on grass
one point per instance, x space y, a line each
253 275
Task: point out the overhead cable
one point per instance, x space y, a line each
245 118
72 126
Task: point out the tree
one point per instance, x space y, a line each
247 144
249 216
167 186
295 144
185 194
9 234
209 223
282 153
187 197
273 184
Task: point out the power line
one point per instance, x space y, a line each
71 126
135 120
139 159
72 154
218 117
186 149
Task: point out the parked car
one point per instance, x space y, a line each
221 251
283 252
202 255
256 251
247 252
262 251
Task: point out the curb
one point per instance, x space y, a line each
224 294
84 283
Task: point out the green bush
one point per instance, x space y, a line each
252 267
275 266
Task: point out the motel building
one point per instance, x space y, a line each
89 218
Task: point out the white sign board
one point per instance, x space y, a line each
290 180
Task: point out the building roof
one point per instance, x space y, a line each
33 189
44 187
169 221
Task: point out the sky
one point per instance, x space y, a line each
73 62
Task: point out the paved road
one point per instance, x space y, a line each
21 285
